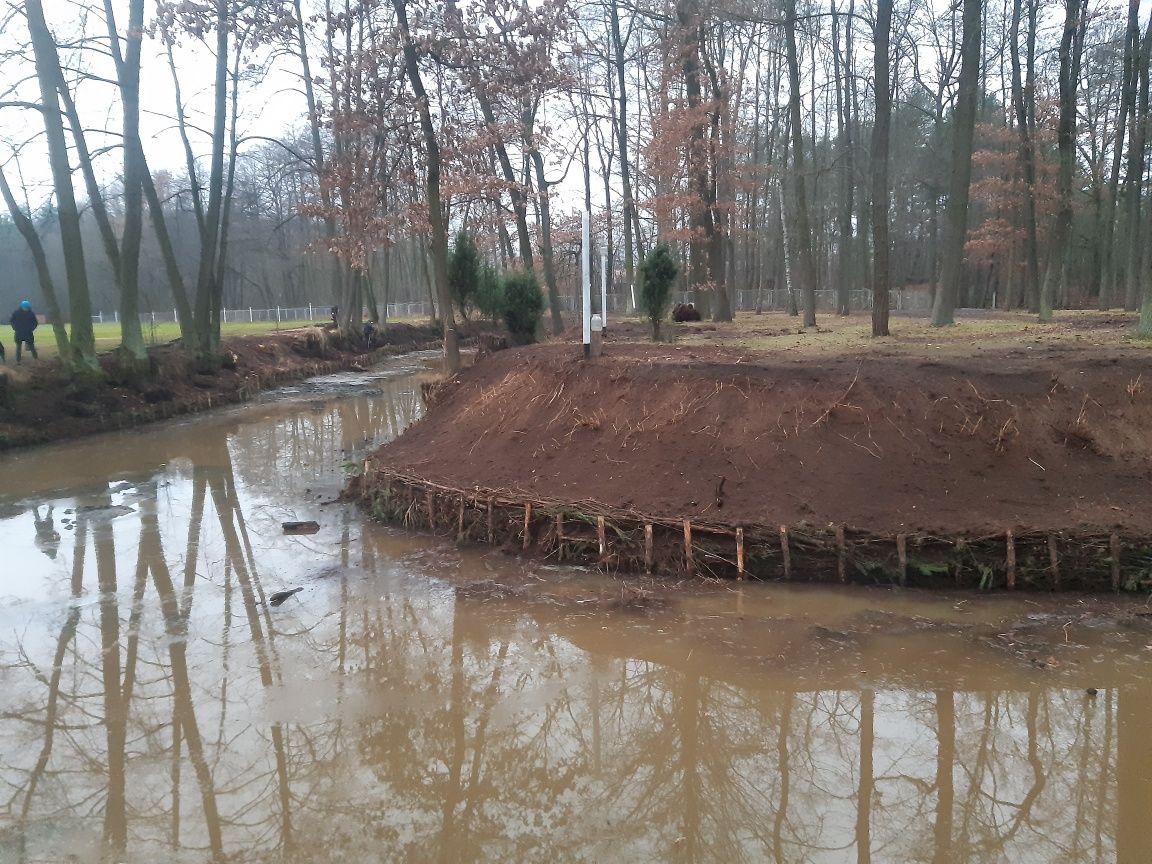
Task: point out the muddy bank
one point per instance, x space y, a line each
994 471
43 406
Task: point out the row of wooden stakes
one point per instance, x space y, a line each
843 555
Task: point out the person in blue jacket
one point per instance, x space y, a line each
24 324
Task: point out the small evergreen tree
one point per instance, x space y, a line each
489 293
657 274
523 304
464 273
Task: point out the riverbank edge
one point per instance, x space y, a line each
245 387
588 533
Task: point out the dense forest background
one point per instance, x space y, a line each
981 153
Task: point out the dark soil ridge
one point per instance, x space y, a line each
42 408
896 470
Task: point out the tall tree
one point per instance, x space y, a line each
1134 181
1021 101
880 190
843 72
1108 282
964 124
82 343
436 216
1058 253
802 231
1136 274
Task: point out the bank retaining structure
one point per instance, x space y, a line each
619 540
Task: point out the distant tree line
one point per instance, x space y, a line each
991 152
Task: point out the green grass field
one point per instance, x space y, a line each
108 334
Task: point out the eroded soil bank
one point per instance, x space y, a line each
43 407
1029 472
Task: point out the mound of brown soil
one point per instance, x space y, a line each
885 444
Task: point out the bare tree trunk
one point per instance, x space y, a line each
700 221
82 358
847 156
622 134
336 270
1025 158
1108 294
432 184
803 231
542 191
1136 273
515 190
880 192
128 75
956 214
1066 145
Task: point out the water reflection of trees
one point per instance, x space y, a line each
168 714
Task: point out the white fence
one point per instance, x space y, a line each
279 315
619 303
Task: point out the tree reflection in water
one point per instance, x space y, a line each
166 713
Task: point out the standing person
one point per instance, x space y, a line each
24 323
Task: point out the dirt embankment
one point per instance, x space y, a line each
885 444
879 446
40 405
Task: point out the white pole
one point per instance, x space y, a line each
250 315
632 291
586 279
604 289
277 316
309 311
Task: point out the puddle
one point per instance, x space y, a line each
418 702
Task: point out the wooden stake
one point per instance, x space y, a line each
785 552
1010 541
1114 542
689 561
960 547
1054 561
841 555
559 529
491 533
601 536
460 521
740 554
527 525
648 548
431 508
902 555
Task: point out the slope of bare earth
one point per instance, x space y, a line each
967 443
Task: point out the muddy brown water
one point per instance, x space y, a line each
419 702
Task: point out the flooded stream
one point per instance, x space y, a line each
419 702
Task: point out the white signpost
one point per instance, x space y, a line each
586 280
